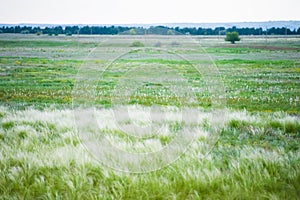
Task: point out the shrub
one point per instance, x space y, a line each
137 44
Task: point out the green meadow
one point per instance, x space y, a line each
253 153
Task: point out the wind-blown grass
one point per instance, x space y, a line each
255 156
41 157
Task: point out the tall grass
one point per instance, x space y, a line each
257 156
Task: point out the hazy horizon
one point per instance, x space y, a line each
146 12
41 23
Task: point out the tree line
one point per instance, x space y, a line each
161 30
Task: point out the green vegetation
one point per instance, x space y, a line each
42 158
253 84
256 154
232 37
137 44
160 30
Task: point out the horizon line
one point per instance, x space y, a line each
136 23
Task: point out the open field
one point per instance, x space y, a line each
258 74
241 104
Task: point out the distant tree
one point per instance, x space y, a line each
69 30
219 30
160 30
25 32
132 32
17 29
200 31
48 31
58 30
37 30
232 37
85 30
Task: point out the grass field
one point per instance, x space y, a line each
240 103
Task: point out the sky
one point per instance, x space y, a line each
146 11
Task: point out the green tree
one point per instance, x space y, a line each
132 32
232 37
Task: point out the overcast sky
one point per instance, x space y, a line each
146 11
